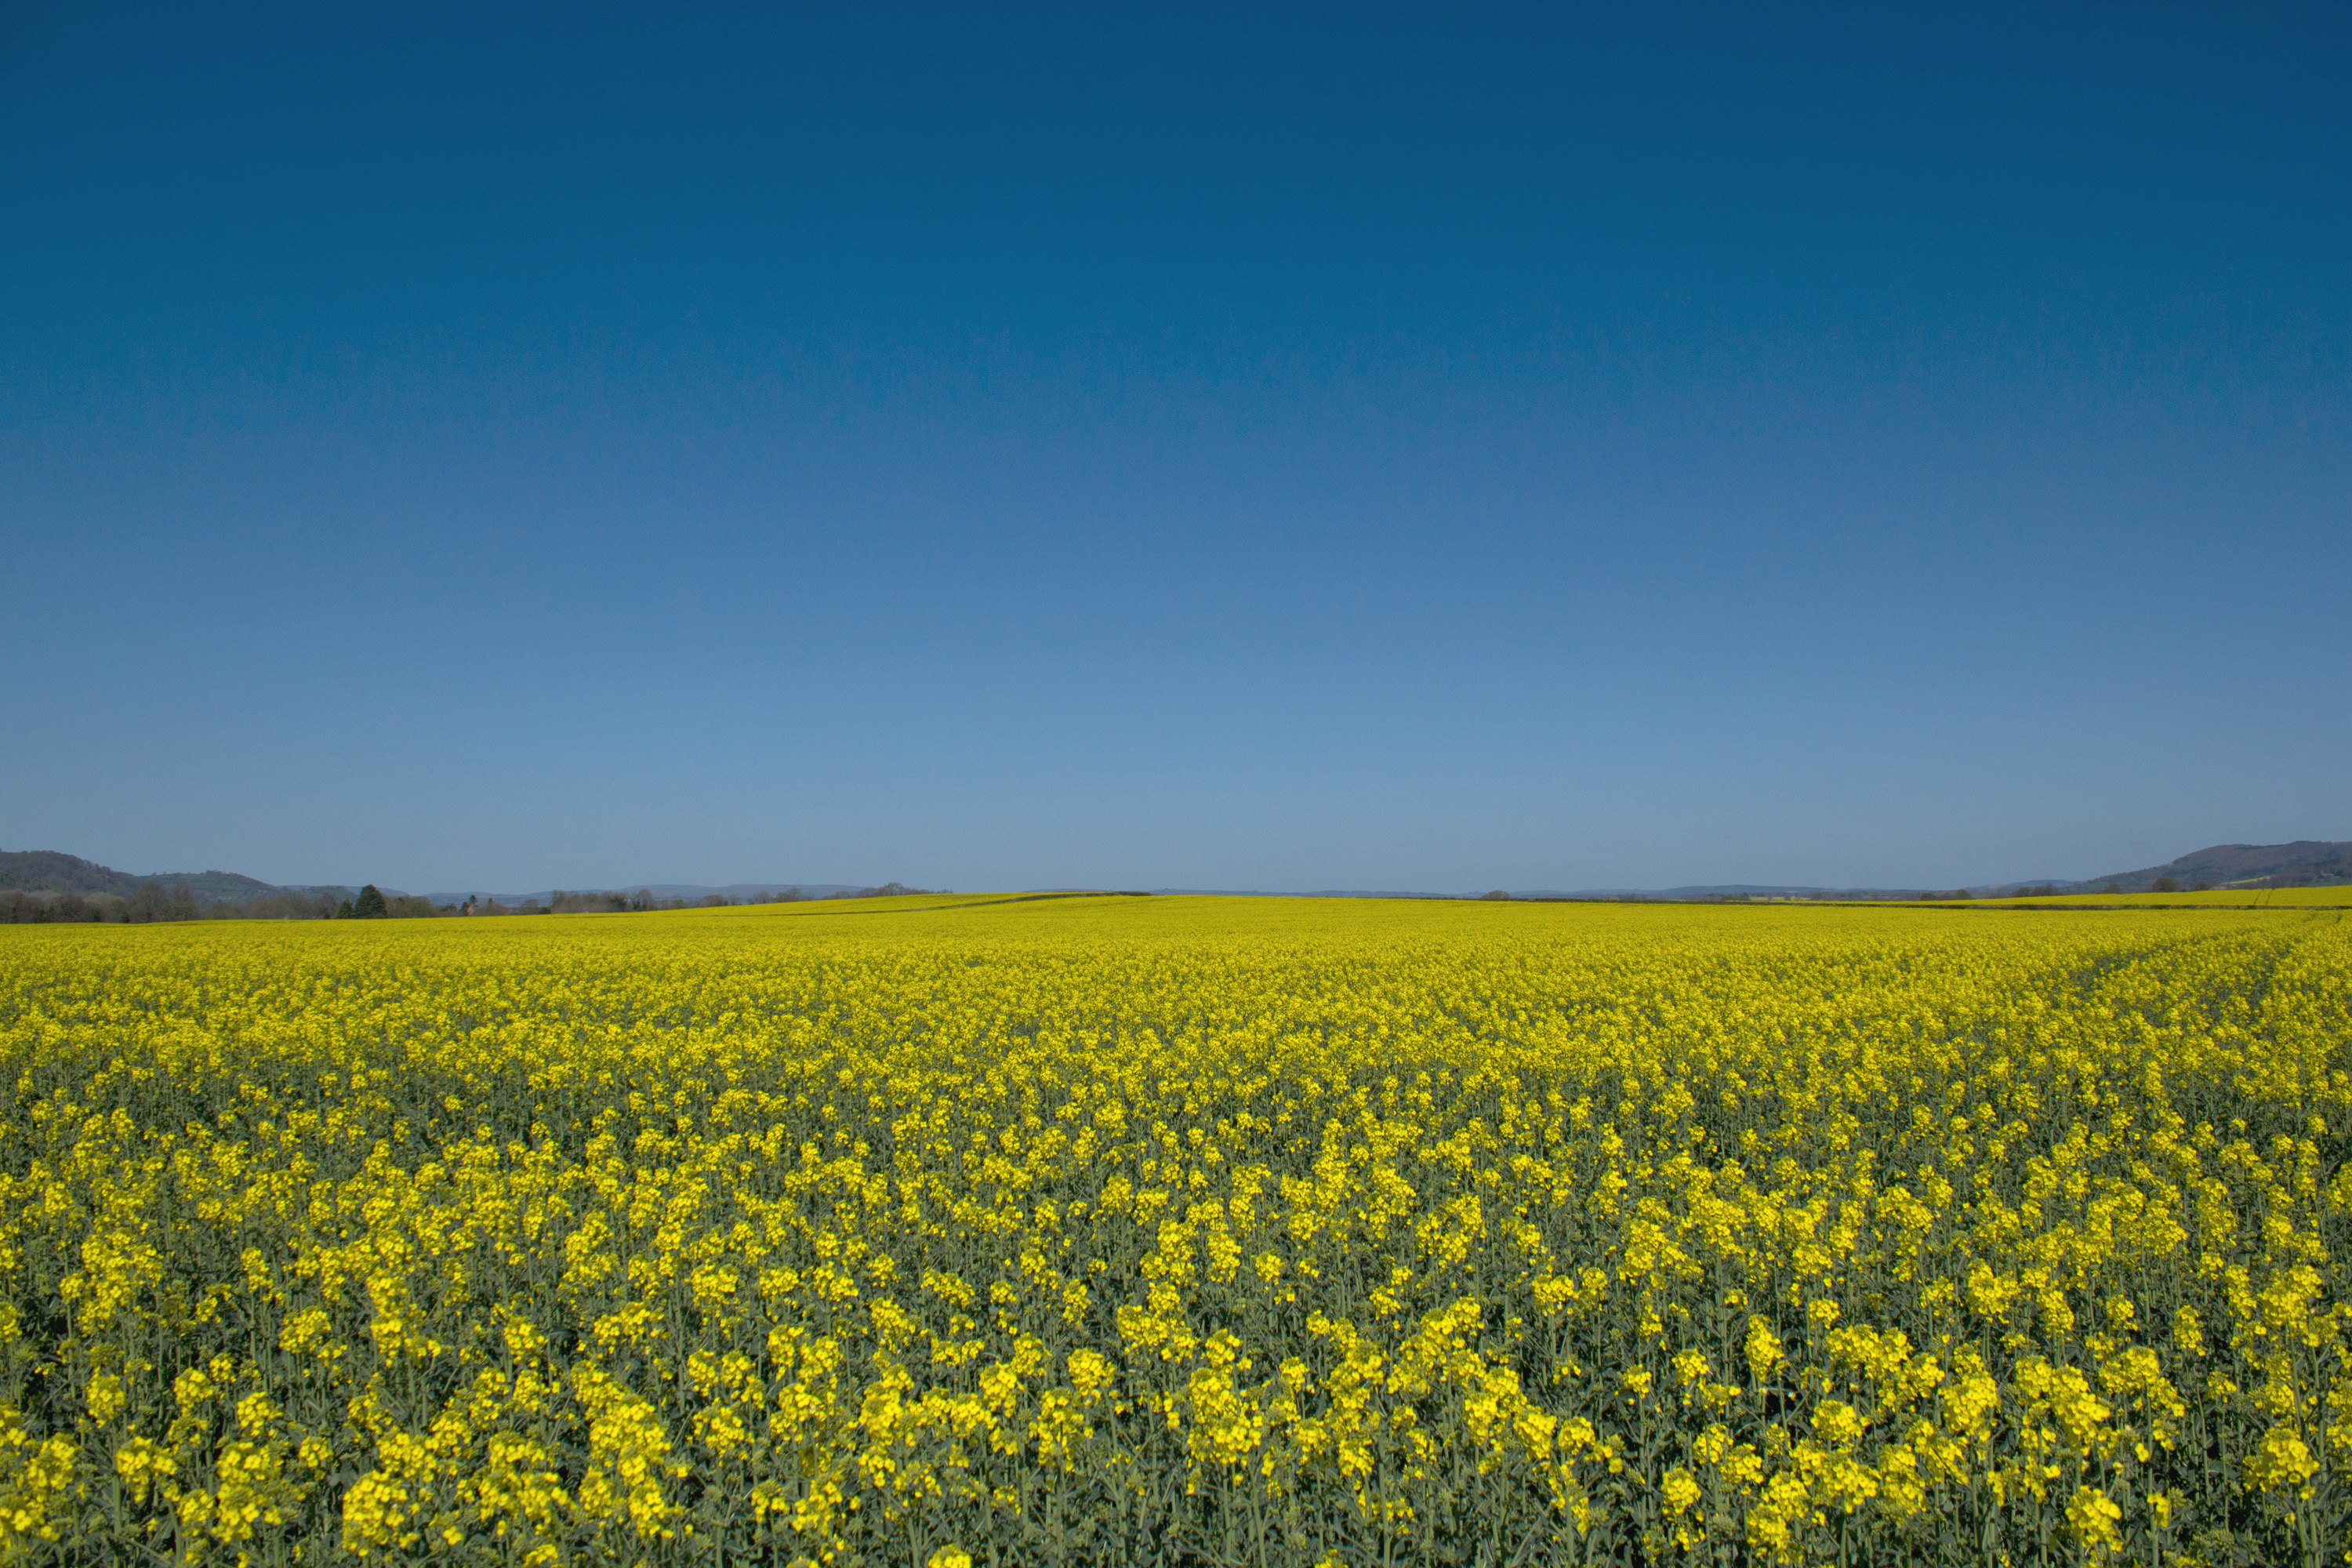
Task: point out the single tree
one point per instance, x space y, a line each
2164 885
369 905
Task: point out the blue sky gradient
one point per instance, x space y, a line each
519 447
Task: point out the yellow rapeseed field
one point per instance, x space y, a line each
1180 1231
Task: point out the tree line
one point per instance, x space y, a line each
151 902
564 903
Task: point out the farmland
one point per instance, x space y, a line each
1180 1231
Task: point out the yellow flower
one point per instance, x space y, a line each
2092 1516
788 1232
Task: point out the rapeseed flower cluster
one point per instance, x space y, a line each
1180 1231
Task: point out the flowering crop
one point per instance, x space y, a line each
1180 1231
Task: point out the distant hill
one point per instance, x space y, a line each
2313 862
2306 862
49 871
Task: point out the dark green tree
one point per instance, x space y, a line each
153 901
369 905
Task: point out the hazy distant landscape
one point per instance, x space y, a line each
42 885
38 885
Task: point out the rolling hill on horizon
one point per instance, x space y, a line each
2305 861
2302 862
53 871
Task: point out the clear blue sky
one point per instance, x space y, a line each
495 447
